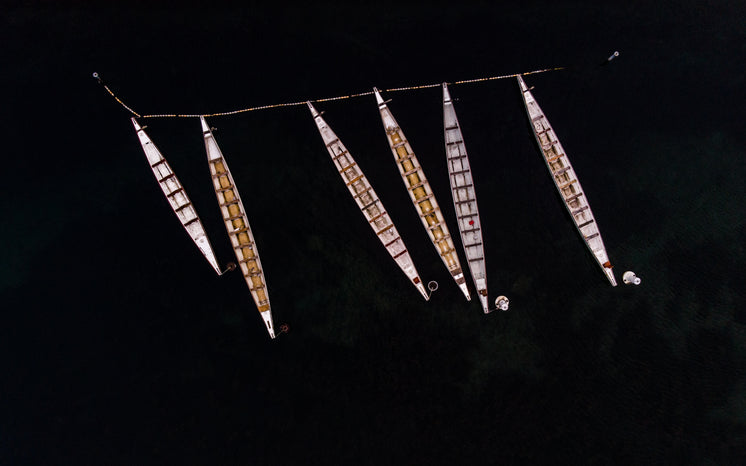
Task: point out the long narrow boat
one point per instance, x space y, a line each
421 194
177 196
464 198
237 225
566 181
368 202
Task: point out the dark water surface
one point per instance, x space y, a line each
121 346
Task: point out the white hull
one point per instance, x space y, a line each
177 196
368 202
566 181
237 225
422 195
464 198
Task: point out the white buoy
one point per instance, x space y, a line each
432 286
630 278
502 303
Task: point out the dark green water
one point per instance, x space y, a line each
121 346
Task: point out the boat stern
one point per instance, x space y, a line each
422 290
485 304
267 316
610 274
461 282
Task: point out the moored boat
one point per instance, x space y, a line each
368 202
464 198
176 196
566 181
238 228
421 194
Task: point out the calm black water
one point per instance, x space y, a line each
121 346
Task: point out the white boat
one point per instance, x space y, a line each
368 202
422 195
464 198
237 225
177 196
566 181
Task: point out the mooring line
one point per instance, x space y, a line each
325 99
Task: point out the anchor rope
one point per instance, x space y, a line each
325 99
118 100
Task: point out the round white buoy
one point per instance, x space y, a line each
502 303
630 278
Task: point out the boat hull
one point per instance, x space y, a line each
464 199
238 228
176 196
566 181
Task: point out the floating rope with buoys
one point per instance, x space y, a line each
326 99
100 81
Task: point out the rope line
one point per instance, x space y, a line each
326 99
120 102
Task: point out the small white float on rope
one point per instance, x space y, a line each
630 278
502 303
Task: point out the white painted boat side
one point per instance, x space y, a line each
464 198
176 196
238 228
367 201
566 181
421 195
